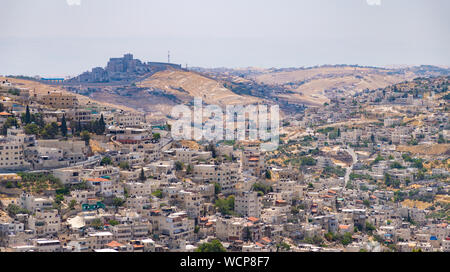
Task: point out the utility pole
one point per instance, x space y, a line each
168 56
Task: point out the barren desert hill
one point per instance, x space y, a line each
291 88
186 85
161 91
302 86
296 75
316 85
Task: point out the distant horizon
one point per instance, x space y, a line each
388 66
68 37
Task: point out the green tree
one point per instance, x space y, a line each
284 246
211 147
101 125
307 161
369 227
97 223
156 136
142 175
117 202
217 188
86 137
27 115
14 209
189 169
31 129
106 161
72 204
10 122
124 165
346 238
158 193
63 126
50 131
113 222
263 188
38 119
179 166
59 198
268 174
79 127
213 246
225 205
396 165
387 179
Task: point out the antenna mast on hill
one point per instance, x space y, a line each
168 56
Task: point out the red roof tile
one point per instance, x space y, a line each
114 244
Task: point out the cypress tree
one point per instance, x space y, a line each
27 115
101 124
79 128
142 175
64 126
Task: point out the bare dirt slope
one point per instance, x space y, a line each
163 90
139 99
434 149
315 85
185 85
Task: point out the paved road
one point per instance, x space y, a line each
350 168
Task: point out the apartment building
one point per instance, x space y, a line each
59 100
11 227
191 202
110 172
177 226
230 228
189 156
12 150
138 188
105 187
99 240
127 119
73 151
31 203
248 204
80 115
126 232
69 175
82 196
138 203
45 222
227 175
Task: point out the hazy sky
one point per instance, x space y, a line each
67 37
